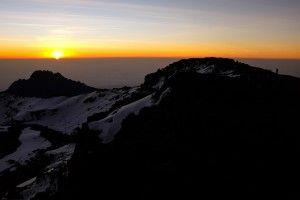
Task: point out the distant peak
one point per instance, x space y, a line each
46 84
45 74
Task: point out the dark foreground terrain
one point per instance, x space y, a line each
212 137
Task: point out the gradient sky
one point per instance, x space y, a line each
156 28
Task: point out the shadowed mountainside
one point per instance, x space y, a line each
47 84
211 137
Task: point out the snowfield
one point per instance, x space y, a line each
63 114
111 125
48 180
31 141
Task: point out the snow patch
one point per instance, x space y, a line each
203 69
111 125
46 182
31 142
160 83
63 114
66 149
26 183
230 73
164 94
61 155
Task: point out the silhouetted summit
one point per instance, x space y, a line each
221 129
47 84
46 75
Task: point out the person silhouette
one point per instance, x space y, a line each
276 70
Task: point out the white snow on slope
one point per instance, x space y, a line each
164 94
203 69
160 83
45 182
66 149
31 141
59 113
26 183
229 73
61 154
111 125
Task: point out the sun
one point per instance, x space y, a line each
57 54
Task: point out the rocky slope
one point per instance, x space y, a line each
221 129
200 128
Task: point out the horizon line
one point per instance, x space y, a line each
143 57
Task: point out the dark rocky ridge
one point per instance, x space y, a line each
220 65
46 84
212 137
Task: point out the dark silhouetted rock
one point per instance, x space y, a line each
47 84
211 137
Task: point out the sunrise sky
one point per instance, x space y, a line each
156 28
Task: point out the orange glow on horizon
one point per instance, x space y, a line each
26 56
104 49
176 51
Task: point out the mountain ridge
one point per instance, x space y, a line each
211 136
46 84
207 128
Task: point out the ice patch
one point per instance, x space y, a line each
111 125
26 183
164 94
203 69
229 73
61 154
160 83
31 141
